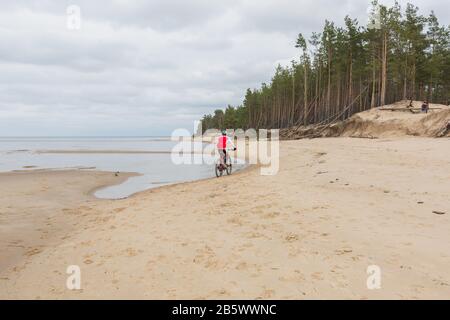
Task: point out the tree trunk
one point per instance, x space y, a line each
350 85
413 89
293 98
383 70
372 102
329 83
305 111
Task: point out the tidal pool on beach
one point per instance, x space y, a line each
149 157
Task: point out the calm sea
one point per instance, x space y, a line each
123 154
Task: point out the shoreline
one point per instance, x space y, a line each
308 232
89 193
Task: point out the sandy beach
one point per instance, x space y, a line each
336 206
37 208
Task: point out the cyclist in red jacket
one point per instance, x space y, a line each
223 144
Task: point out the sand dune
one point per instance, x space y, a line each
388 121
337 206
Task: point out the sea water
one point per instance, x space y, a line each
150 157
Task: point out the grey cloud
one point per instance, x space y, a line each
146 67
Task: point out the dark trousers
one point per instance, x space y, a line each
223 155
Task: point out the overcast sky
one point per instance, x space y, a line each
146 67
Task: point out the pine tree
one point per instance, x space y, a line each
398 55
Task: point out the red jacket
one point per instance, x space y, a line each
222 144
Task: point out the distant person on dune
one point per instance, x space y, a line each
425 107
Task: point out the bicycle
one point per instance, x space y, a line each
222 165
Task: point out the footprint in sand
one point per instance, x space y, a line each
130 252
207 257
271 215
33 252
241 266
266 294
317 276
343 251
254 235
291 237
15 244
221 292
235 221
